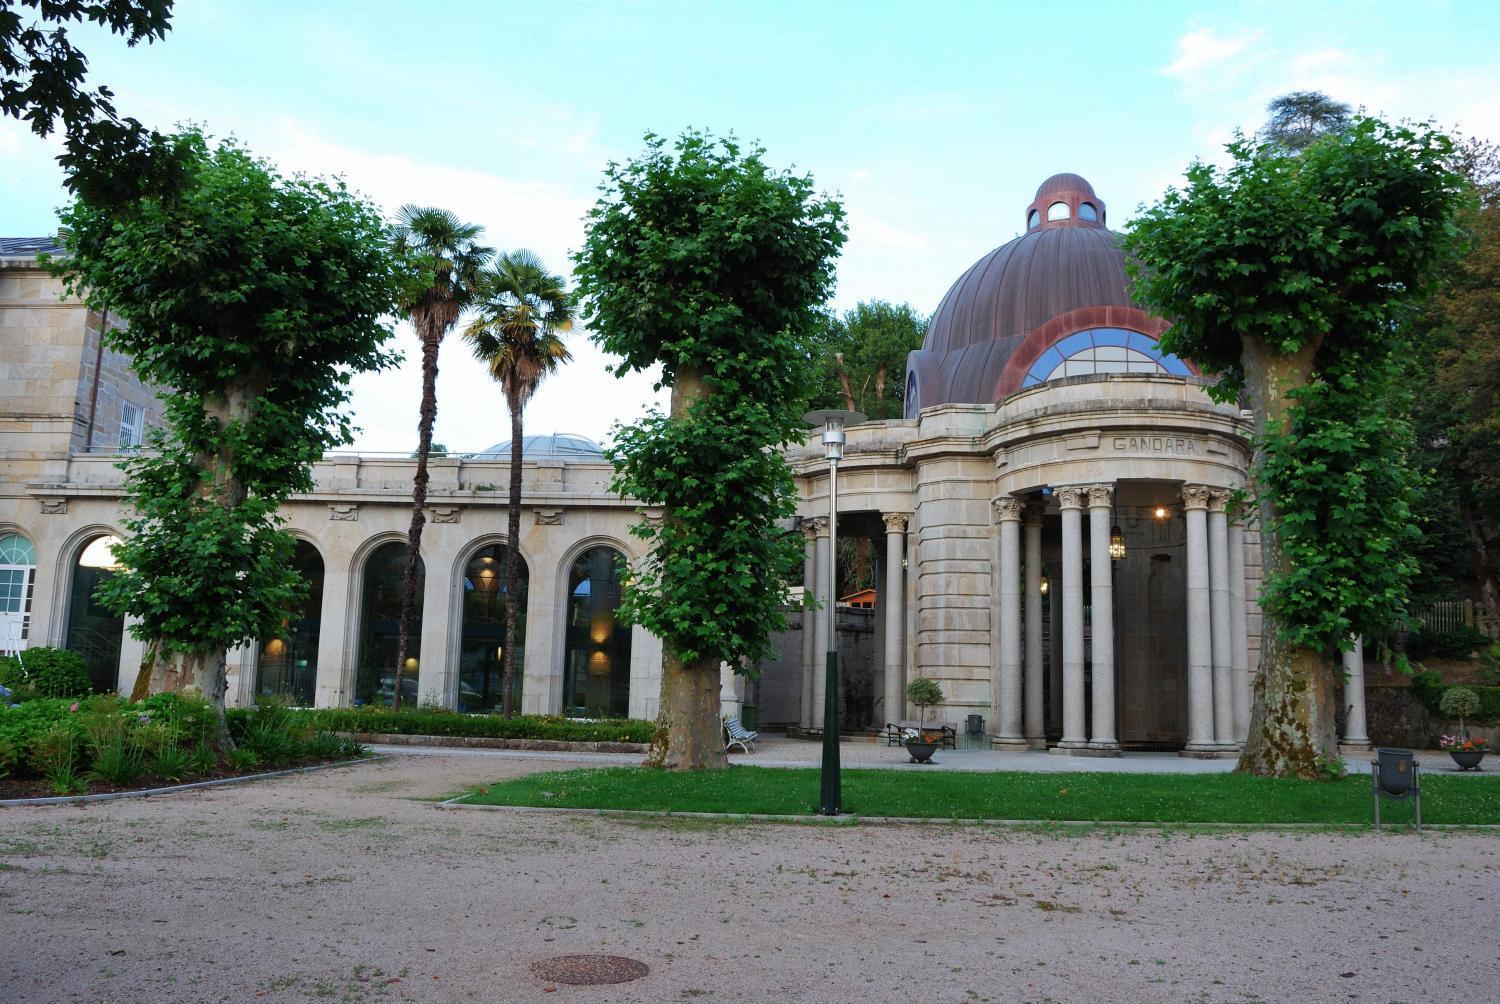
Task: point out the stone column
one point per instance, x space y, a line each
895 615
1101 590
1355 735
1035 726
1221 647
810 530
1239 657
820 640
1199 623
1008 724
1075 726
335 676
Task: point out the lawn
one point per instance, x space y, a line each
1179 798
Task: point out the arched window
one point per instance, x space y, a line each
481 666
1034 220
596 658
1086 211
288 667
913 396
93 631
17 580
1103 350
380 627
1057 211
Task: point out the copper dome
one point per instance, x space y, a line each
1067 272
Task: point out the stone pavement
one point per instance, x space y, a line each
779 751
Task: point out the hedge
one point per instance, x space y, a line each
1429 688
429 722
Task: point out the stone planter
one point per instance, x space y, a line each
1467 759
921 752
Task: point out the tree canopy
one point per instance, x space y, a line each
1286 275
861 357
252 299
701 257
1297 119
107 158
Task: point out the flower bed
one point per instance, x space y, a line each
74 746
432 722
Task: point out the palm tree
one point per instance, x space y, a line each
446 252
522 309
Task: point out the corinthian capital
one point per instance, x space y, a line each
1218 499
895 522
1069 496
814 526
1008 508
1101 496
1196 496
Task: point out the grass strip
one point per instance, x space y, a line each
1152 798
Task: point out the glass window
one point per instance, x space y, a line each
17 580
93 631
1057 211
380 627
481 667
288 667
1086 211
596 660
1103 350
1034 220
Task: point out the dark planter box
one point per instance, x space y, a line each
1467 759
921 752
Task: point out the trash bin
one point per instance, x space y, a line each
747 716
975 726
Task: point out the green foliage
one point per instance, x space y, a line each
1304 264
867 346
924 693
243 758
118 762
1489 666
45 672
707 261
1430 690
1459 702
105 157
172 763
1299 118
203 758
1460 643
255 298
377 720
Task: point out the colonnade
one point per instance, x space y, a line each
1216 628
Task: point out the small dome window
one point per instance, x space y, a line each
1086 211
1057 211
1034 220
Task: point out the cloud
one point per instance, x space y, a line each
1204 49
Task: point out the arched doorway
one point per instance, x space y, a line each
17 580
481 665
596 655
288 667
380 627
93 631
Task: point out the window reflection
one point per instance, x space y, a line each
482 648
596 680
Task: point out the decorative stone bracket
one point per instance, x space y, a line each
344 513
548 517
448 514
54 507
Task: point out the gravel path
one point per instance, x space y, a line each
349 886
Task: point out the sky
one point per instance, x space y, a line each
933 122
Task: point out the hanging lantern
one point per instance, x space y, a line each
1116 543
1044 586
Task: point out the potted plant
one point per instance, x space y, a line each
924 693
1466 751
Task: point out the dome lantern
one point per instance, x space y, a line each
1065 200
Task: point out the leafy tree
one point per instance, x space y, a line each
704 259
522 308
924 693
1460 703
861 357
1285 275
1457 356
447 254
106 158
1299 118
254 297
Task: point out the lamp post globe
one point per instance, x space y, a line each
833 423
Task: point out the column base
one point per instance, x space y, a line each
1087 749
1009 743
1104 748
1206 751
1038 743
1354 747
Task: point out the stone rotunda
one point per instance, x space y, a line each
1058 550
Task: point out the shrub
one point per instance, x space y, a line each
1430 688
1489 666
448 723
924 693
1460 703
65 780
46 672
244 758
1459 643
203 759
119 763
